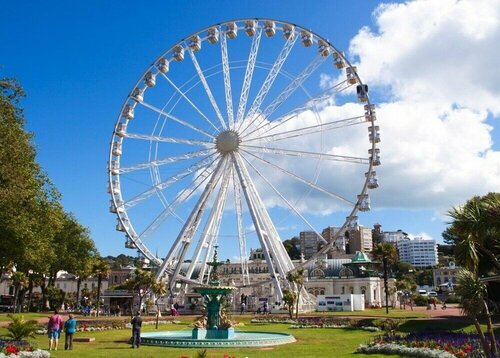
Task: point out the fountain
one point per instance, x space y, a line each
214 329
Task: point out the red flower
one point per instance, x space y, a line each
12 349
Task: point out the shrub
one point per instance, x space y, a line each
19 329
421 300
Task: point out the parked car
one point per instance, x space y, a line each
422 292
432 294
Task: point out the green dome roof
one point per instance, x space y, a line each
360 257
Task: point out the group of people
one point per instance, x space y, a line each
56 326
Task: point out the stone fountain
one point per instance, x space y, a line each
214 329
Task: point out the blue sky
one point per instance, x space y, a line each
78 61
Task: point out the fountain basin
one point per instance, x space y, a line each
184 339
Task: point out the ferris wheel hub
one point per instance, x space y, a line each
227 141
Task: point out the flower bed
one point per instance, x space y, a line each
456 344
317 322
11 348
401 350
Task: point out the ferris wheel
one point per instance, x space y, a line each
241 135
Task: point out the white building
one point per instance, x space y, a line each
394 237
419 252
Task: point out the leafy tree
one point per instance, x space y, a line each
386 252
141 283
292 248
473 302
425 277
101 269
475 229
289 297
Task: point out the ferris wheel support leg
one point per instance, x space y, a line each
253 202
283 262
186 234
213 223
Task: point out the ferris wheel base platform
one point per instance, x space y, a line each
183 339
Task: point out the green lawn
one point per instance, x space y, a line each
30 315
310 342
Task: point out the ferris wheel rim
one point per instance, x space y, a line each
138 241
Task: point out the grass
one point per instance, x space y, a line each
310 342
27 316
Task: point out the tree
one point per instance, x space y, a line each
101 269
473 302
141 283
289 297
297 278
19 281
159 289
388 254
20 329
475 229
291 247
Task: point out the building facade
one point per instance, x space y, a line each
445 278
309 242
419 252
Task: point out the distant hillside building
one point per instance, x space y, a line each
394 237
352 240
309 242
419 252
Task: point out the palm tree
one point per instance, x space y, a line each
19 281
476 227
159 289
297 278
101 269
387 253
473 302
20 329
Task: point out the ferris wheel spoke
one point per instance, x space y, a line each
310 104
241 230
175 119
252 57
207 89
179 249
301 153
301 179
227 79
212 226
168 160
271 76
189 101
299 132
170 139
292 207
180 198
287 92
207 161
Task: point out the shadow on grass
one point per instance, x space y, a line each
434 325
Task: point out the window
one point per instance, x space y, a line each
343 290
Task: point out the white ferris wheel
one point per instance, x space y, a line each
241 135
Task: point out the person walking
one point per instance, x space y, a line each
54 330
242 308
69 329
136 330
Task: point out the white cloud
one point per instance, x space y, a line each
436 63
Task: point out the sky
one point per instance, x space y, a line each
430 65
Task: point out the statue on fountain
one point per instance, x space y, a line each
215 324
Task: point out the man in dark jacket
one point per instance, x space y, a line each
136 330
